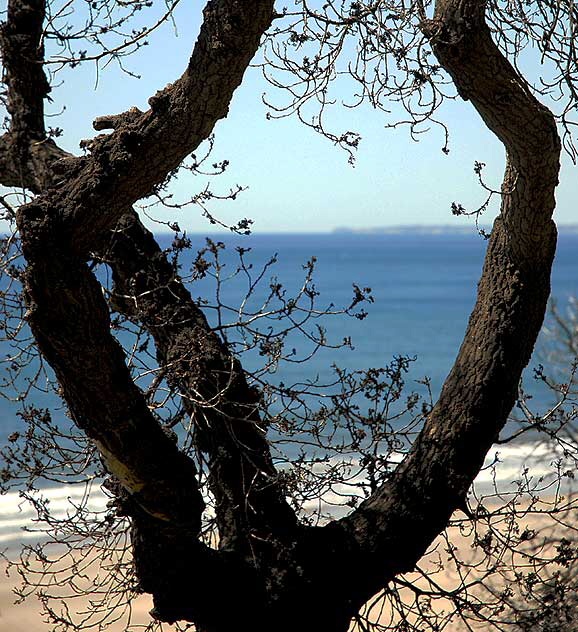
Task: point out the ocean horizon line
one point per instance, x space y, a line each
397 229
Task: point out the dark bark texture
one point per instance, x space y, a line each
251 507
268 571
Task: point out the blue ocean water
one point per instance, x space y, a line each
423 286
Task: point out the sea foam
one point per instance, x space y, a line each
508 468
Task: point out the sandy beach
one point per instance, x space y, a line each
30 616
475 562
476 548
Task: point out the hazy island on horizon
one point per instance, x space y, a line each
425 229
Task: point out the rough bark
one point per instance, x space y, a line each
127 164
181 116
159 487
75 335
23 146
251 509
395 526
270 586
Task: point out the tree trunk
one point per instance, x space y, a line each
396 525
271 573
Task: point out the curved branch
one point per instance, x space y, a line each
25 150
251 507
128 164
241 466
70 321
391 530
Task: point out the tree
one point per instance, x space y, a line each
267 561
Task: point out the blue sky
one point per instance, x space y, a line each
296 180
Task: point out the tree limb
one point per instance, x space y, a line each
394 527
69 318
239 456
251 507
25 150
129 163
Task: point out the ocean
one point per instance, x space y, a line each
423 286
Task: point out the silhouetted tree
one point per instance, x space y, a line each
271 568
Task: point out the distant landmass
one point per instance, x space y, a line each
424 229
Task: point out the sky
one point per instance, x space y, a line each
296 180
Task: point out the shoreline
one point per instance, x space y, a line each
464 545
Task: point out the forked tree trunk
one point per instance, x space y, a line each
270 574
